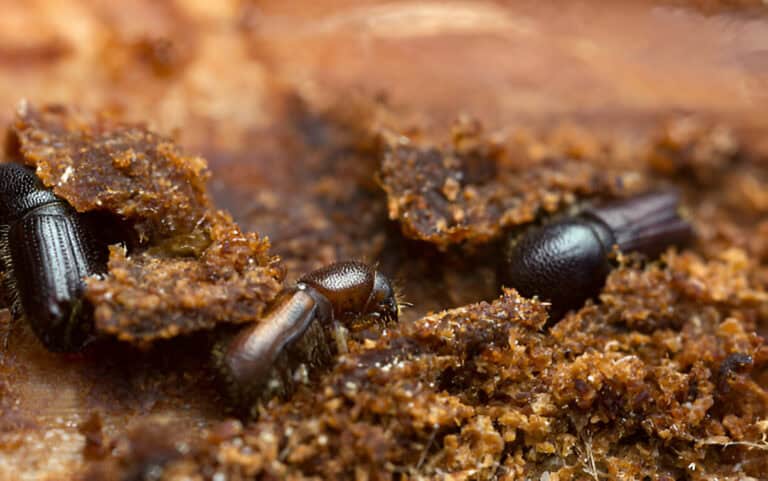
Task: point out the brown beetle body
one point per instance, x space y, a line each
353 288
256 363
302 331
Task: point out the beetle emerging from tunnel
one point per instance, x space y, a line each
304 329
566 262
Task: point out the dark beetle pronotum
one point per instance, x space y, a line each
567 261
45 254
302 330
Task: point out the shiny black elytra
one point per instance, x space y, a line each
45 254
304 329
567 261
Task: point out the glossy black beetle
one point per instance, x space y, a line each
45 254
567 261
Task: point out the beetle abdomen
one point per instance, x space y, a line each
45 253
646 223
259 362
49 260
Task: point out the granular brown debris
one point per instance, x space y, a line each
192 268
144 296
697 150
480 392
98 164
725 181
146 450
474 188
664 374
